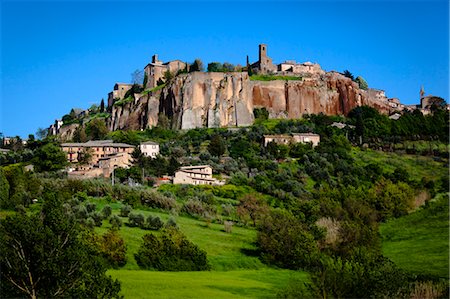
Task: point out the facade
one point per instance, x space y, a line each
119 91
196 175
156 70
149 149
98 149
293 138
109 163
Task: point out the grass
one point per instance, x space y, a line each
225 251
124 101
418 242
417 167
273 78
207 284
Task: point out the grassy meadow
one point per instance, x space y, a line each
236 271
419 242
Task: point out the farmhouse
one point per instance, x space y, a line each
196 175
293 138
149 149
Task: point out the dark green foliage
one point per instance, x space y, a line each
170 251
23 186
349 75
96 129
49 157
261 113
217 146
106 211
219 67
4 189
113 248
125 210
286 242
42 256
115 221
136 220
196 66
90 207
154 222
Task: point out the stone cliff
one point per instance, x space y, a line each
227 99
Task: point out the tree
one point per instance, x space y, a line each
49 157
96 129
170 251
362 83
85 156
41 133
102 106
168 76
252 207
349 75
217 146
4 188
197 66
137 77
80 134
214 67
286 242
43 256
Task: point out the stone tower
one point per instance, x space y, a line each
265 63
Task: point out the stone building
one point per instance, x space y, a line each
98 149
149 149
264 64
156 70
196 175
119 91
293 138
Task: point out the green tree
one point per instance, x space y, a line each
349 75
362 83
170 251
214 67
96 129
217 146
286 242
196 66
49 157
80 134
43 257
4 188
102 106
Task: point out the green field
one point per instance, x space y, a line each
236 271
419 242
207 284
417 167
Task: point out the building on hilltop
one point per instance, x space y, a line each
312 138
157 69
119 91
149 149
196 175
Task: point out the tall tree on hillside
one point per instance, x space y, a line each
137 77
349 75
96 129
197 66
102 106
44 257
217 146
49 157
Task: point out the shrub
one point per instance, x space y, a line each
98 217
115 221
125 210
136 220
113 249
154 223
228 225
171 223
170 251
157 200
90 207
106 211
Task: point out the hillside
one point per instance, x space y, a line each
418 242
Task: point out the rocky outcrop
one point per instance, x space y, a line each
227 99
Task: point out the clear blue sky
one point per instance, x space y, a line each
59 55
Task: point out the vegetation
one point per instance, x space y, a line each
273 77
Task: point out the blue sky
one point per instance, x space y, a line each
57 55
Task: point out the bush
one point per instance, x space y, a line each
125 210
90 207
136 220
170 251
171 223
154 223
115 221
157 200
106 211
113 249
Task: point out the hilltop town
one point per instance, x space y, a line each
226 95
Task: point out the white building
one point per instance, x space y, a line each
196 175
149 149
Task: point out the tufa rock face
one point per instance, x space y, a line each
210 100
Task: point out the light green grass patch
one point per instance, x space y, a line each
206 284
418 242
